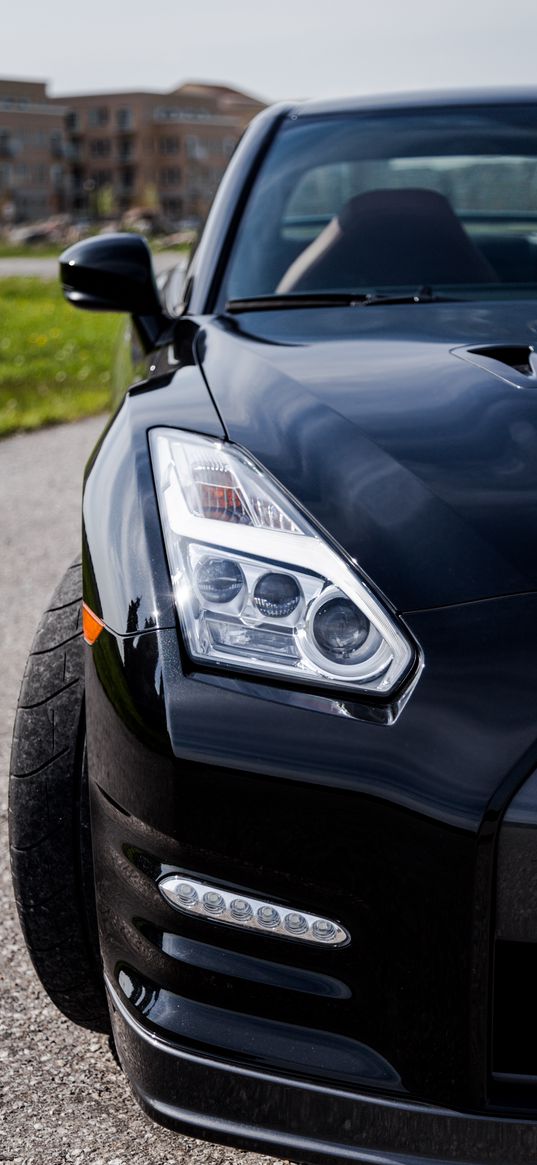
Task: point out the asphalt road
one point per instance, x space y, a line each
62 1097
41 268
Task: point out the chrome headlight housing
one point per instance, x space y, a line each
257 586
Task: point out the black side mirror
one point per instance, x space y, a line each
111 273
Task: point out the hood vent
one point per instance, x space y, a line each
519 359
515 363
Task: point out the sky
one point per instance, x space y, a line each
277 49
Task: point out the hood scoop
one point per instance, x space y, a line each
514 363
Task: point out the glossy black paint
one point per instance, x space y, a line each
114 273
110 273
125 575
408 843
305 1122
420 463
405 453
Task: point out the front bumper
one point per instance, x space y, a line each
200 1096
379 1051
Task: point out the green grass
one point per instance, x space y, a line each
55 361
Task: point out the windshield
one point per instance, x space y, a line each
439 198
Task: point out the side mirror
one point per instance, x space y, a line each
111 273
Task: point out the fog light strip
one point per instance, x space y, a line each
254 914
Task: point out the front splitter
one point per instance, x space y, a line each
223 1102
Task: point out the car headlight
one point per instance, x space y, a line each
257 587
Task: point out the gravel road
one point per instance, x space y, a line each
62 1097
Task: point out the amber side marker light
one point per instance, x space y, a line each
91 625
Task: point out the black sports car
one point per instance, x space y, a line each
277 820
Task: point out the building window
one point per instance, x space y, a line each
100 178
127 178
100 148
124 118
172 206
195 148
171 176
16 146
56 144
98 116
163 114
125 150
169 145
72 120
56 175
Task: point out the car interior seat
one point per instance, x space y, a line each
389 238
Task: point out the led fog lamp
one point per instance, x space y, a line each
257 587
223 906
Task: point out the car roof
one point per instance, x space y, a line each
412 100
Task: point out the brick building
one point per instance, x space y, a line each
99 155
160 151
34 168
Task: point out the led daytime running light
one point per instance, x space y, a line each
214 904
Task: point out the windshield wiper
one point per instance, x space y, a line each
332 299
421 295
299 299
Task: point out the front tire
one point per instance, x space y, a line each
50 840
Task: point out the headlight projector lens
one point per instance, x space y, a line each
340 630
219 580
276 595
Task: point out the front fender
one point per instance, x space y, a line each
125 575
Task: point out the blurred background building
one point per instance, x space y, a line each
100 156
34 168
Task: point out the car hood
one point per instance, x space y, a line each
415 451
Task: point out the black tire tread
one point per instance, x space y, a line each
44 813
